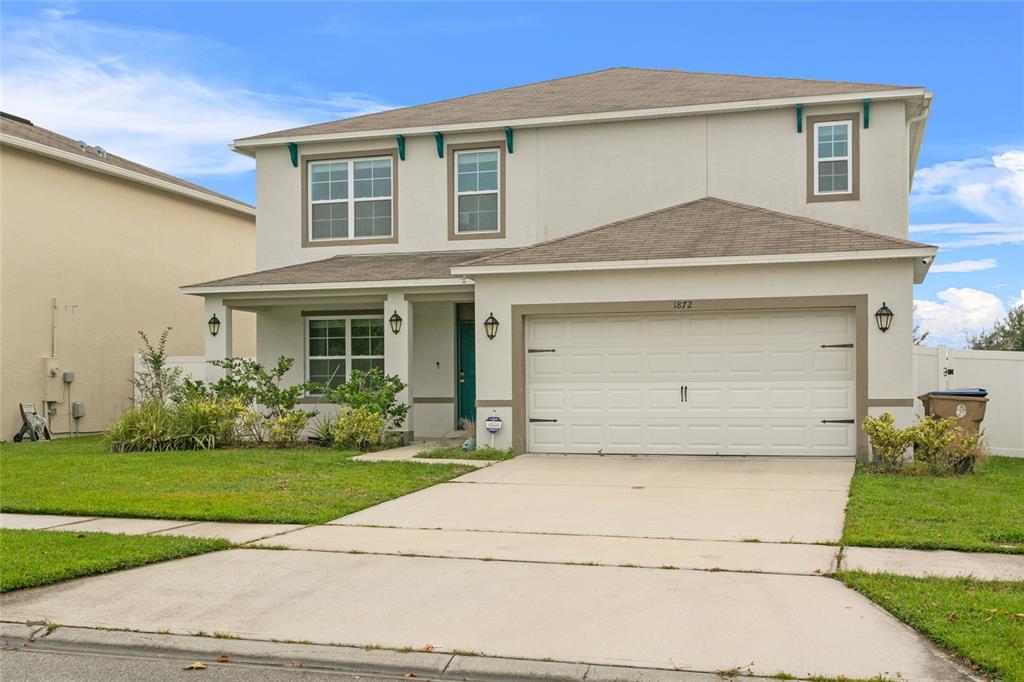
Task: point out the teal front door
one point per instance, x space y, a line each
466 377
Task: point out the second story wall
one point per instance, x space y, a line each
561 180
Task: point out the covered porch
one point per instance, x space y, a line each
421 328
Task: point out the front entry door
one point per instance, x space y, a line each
466 377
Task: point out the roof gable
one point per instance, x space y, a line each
610 90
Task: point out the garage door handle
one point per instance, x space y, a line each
837 345
837 421
684 393
533 421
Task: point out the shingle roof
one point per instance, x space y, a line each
361 268
33 133
617 89
705 228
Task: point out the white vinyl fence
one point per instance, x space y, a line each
1001 373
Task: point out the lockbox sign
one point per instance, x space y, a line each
493 424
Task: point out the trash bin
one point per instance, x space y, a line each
966 404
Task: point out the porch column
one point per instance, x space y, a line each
398 349
216 347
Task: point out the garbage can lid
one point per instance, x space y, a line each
964 392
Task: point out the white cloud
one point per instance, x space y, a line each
991 187
966 265
133 92
957 314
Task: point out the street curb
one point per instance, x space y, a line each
428 665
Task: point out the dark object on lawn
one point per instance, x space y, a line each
966 404
32 425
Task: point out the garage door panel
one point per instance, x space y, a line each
756 383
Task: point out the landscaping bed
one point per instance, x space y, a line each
981 621
289 485
40 557
981 512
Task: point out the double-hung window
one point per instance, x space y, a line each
833 158
477 184
350 199
337 345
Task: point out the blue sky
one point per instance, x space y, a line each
170 84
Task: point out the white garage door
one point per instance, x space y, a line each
731 383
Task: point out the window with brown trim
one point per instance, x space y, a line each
833 165
476 190
349 199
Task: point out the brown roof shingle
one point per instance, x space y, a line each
33 133
616 89
705 228
361 268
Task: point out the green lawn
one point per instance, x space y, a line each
981 621
29 558
308 485
456 453
979 512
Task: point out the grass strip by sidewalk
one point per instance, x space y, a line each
980 512
78 476
982 621
39 557
456 453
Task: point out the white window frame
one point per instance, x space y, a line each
347 358
495 192
351 200
848 158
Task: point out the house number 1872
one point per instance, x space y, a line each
682 305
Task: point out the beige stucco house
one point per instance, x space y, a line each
93 248
625 261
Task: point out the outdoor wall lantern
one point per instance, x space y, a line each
396 322
214 324
491 326
883 317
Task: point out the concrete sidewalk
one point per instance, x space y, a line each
238 533
407 453
647 618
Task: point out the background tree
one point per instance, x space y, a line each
1007 334
917 335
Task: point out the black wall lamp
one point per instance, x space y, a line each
883 316
214 324
396 322
491 326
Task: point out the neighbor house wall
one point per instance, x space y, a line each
565 179
889 375
113 254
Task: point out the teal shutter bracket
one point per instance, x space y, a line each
508 139
799 118
867 114
293 151
439 139
400 139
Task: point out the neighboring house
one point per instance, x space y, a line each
94 248
676 262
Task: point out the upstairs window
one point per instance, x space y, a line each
350 199
832 158
477 199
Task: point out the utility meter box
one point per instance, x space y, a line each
53 384
78 409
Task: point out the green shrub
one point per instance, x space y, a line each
358 429
888 441
322 433
944 447
187 425
284 430
157 381
371 390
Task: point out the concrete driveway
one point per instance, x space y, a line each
491 563
695 498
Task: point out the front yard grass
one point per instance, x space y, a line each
39 557
308 485
456 453
980 512
981 621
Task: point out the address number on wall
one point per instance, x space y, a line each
682 305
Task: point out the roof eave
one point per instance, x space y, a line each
923 253
242 145
216 289
124 173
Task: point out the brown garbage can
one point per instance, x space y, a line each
966 404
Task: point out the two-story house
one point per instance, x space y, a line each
625 261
